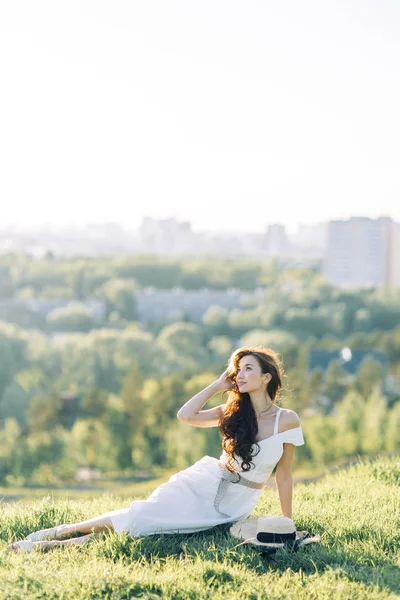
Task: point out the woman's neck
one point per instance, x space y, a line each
262 403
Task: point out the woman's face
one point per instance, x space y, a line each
249 377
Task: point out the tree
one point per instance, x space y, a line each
44 411
274 338
351 302
311 393
130 396
384 316
349 422
182 450
240 321
118 425
134 345
322 439
336 381
14 403
369 375
220 348
392 435
92 445
129 416
6 366
105 372
80 283
94 403
303 322
11 451
181 348
245 276
13 353
362 320
74 317
120 298
216 320
373 428
390 343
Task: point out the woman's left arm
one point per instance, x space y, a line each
284 480
283 474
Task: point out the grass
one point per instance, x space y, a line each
123 488
135 486
356 511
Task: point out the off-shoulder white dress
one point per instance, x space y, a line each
201 497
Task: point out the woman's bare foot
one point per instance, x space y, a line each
43 546
22 546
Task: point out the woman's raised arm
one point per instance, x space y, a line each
191 412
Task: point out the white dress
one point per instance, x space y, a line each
187 502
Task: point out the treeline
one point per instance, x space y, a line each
138 429
80 278
107 397
297 301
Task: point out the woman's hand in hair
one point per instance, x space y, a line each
225 383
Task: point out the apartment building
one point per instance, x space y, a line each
363 252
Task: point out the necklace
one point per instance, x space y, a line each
266 410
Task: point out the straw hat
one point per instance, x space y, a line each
271 532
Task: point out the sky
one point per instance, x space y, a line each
228 114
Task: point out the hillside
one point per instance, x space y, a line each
356 511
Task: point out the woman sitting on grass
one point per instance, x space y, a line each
257 436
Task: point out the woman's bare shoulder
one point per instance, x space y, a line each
289 419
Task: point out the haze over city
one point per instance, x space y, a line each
228 115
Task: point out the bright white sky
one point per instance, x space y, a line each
230 114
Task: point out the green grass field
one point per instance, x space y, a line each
356 511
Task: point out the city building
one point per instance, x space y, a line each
393 277
309 240
363 252
166 236
276 240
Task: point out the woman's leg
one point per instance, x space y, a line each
47 545
98 524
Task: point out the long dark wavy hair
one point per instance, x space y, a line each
238 423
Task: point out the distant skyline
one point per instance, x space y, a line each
226 114
290 227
